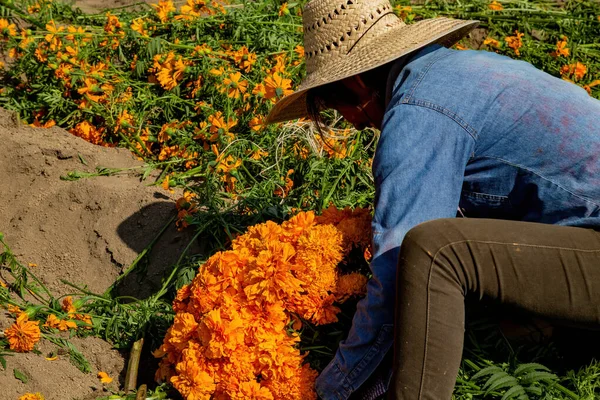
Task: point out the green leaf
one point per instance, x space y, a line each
514 391
495 377
486 371
500 383
20 376
3 361
82 159
529 367
538 376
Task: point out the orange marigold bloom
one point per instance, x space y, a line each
139 25
163 9
192 382
259 90
277 87
495 6
577 70
561 48
491 42
515 42
62 325
244 59
257 123
104 378
7 29
284 10
194 9
234 86
88 132
32 396
67 305
23 334
170 72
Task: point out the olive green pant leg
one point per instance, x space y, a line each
551 271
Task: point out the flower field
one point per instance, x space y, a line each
283 211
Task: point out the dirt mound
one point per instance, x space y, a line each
86 232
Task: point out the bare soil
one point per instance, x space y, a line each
85 232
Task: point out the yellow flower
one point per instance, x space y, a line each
52 38
515 42
495 6
88 132
23 334
104 378
588 87
62 325
164 8
244 59
284 10
7 29
194 9
171 71
257 123
139 25
219 127
561 48
491 42
259 90
277 87
576 71
32 396
234 86
349 285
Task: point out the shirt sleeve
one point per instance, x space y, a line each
418 168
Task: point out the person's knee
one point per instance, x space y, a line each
428 237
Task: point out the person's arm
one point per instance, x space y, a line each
418 169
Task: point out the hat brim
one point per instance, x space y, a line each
390 46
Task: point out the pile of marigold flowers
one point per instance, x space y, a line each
238 323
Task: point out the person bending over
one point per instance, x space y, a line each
469 133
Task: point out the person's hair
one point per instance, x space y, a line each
318 98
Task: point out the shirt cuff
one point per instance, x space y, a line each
331 384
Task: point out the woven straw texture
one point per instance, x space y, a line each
347 37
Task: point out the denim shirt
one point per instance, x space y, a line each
474 131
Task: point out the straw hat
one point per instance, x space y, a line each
347 37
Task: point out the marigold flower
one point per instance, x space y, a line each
32 396
23 334
139 25
62 325
259 90
163 9
234 86
104 378
67 305
576 70
219 127
561 48
284 10
277 87
194 9
52 38
257 123
170 72
495 6
7 29
491 42
515 42
589 86
229 337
